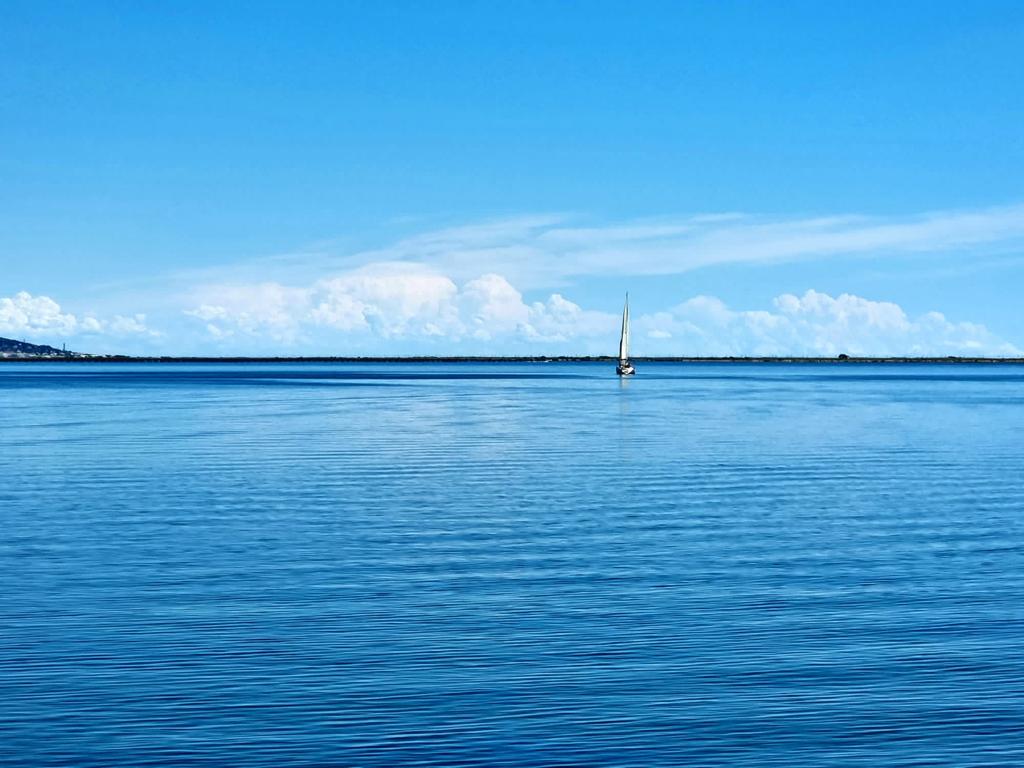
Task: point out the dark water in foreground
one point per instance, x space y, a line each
742 565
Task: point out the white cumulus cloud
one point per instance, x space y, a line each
392 301
388 299
375 307
816 324
41 317
25 313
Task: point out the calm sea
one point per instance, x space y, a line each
536 564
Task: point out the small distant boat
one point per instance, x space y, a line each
625 368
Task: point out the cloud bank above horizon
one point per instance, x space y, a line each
460 290
388 310
400 302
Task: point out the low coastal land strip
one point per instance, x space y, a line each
12 351
839 360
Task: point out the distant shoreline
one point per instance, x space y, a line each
840 360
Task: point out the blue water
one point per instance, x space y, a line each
383 565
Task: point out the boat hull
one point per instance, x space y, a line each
625 370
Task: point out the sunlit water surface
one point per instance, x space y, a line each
382 565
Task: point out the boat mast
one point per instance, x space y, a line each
624 338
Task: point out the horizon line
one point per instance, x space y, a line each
837 359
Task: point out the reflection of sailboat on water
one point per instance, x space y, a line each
625 368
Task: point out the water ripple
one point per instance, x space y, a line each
495 565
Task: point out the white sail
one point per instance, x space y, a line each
624 339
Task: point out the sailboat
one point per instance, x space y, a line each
625 368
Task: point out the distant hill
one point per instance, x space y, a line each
12 348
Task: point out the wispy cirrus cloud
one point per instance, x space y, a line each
543 251
538 252
552 251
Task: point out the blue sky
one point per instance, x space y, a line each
488 177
